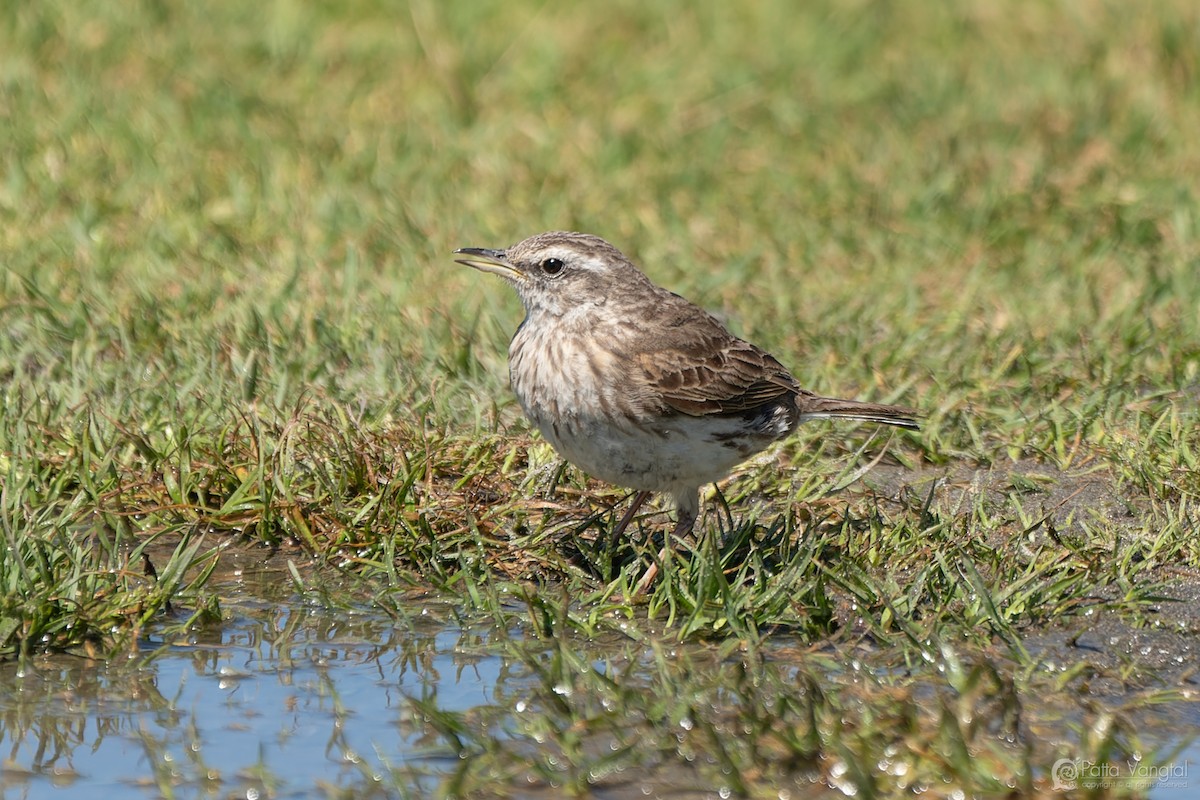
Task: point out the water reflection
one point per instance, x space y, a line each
291 697
279 699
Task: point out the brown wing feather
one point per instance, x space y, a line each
698 367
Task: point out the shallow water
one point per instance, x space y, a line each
274 702
285 699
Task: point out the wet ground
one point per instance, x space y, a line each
290 698
283 699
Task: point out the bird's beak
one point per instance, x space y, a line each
494 261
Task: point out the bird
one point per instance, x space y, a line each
639 387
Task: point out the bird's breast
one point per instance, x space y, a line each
566 378
592 403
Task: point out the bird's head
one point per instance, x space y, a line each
559 273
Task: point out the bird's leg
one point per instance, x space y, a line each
614 535
687 519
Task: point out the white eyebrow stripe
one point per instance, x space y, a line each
573 258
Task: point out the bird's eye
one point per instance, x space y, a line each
552 266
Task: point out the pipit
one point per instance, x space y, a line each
637 386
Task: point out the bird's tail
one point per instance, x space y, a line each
812 406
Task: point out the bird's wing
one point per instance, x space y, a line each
697 367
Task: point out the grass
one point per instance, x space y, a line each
230 316
740 719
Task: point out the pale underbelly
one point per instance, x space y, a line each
680 453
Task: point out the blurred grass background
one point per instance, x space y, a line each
992 203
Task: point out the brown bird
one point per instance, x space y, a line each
639 387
